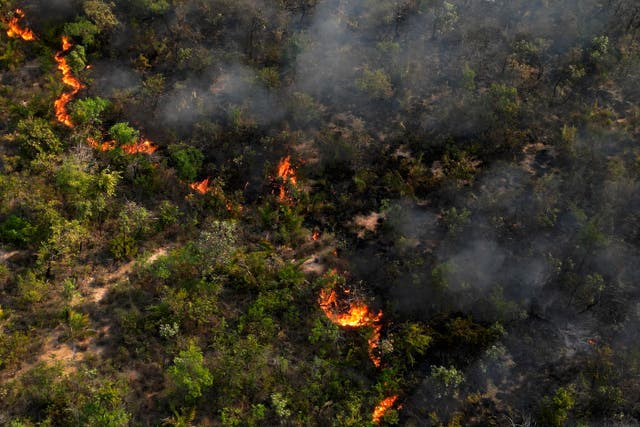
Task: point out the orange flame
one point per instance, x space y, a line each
15 31
287 174
316 235
357 315
373 342
143 146
200 186
383 407
60 104
205 186
102 146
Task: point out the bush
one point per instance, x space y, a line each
187 161
17 231
188 373
35 136
123 134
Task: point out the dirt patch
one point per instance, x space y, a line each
157 254
369 223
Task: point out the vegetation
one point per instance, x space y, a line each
304 213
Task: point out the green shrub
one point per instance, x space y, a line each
17 231
187 161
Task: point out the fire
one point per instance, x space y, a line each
383 407
373 342
66 44
287 174
205 186
357 315
143 146
60 104
316 235
102 146
200 186
15 31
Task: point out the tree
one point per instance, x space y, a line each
445 380
376 83
35 136
101 13
84 29
124 134
103 405
88 110
188 374
133 221
555 409
187 161
153 6
16 230
446 17
85 191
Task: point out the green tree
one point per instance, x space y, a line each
124 134
188 374
101 13
153 6
133 222
446 380
65 241
77 324
35 136
187 161
105 406
446 17
85 192
88 110
376 83
504 102
468 78
555 409
414 339
17 230
83 29
77 58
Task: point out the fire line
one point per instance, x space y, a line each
60 105
383 407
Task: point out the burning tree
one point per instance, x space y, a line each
287 176
350 311
15 30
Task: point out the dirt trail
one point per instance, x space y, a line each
94 288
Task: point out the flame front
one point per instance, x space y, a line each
60 104
287 174
356 315
200 186
143 146
102 146
15 31
383 407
